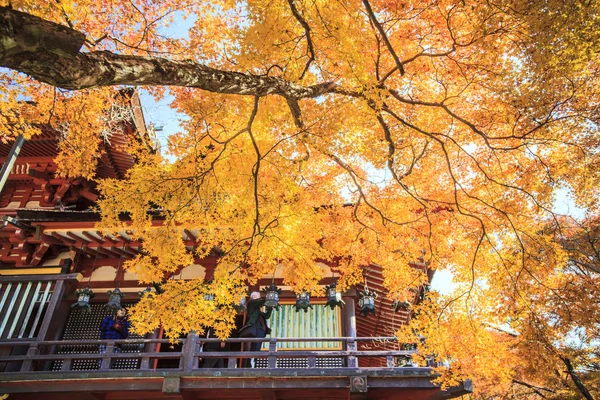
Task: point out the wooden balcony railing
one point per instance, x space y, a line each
22 356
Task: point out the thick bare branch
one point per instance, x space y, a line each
20 32
50 53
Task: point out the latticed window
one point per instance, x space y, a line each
23 306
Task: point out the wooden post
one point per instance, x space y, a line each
272 363
188 352
390 361
66 365
150 348
231 363
57 294
350 316
28 364
351 359
110 348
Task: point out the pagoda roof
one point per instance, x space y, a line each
39 150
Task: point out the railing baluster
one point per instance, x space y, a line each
351 359
36 293
28 364
231 363
272 363
188 352
389 360
10 307
145 363
4 297
17 317
40 309
66 365
106 360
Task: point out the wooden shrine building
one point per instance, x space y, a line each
49 248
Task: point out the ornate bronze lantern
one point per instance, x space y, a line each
367 302
83 299
272 296
334 298
303 301
114 299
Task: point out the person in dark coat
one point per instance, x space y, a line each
211 347
256 323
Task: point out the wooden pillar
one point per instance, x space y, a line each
350 323
349 316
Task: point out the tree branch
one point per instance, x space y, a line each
580 386
302 21
383 36
50 53
536 389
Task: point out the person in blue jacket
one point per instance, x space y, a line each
114 328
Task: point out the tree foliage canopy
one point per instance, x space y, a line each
353 133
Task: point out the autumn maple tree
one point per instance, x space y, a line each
356 133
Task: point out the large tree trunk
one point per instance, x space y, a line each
50 53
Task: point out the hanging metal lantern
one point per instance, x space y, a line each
334 298
367 302
272 296
401 306
114 299
145 292
83 299
303 301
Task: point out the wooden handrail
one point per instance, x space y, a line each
208 340
191 352
73 342
40 278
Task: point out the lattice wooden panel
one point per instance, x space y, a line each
86 326
301 362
